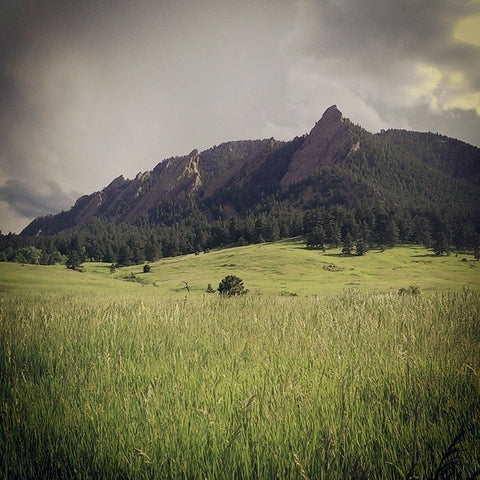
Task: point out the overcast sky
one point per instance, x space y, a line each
90 90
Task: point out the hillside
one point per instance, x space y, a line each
288 267
453 157
336 163
281 269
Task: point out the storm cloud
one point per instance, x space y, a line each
91 90
33 200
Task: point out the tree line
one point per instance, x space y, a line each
356 230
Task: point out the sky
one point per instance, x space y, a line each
90 90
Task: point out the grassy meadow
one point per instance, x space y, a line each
281 268
288 267
109 375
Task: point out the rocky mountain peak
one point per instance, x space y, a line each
330 140
332 114
327 128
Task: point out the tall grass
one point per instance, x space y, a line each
352 386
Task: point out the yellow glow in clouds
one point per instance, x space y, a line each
468 30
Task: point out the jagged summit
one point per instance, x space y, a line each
329 140
331 114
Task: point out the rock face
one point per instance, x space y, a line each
329 141
197 175
169 179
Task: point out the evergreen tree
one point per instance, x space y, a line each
249 229
441 244
347 244
361 246
406 227
73 260
316 238
137 250
152 249
260 229
124 256
273 230
75 254
234 229
422 231
95 248
443 231
392 234
109 254
219 234
336 235
365 232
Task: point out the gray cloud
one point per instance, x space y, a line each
33 200
91 90
390 56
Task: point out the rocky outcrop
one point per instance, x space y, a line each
329 141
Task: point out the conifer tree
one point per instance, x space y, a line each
392 234
347 244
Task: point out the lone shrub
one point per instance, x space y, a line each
210 289
411 290
232 285
147 268
331 267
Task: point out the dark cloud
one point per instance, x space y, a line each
460 124
383 30
32 200
387 61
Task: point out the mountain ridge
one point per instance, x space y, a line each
336 161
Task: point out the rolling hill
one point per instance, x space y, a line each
284 268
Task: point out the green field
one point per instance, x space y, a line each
285 267
111 376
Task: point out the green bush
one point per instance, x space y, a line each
232 285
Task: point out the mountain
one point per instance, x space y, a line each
330 141
337 163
